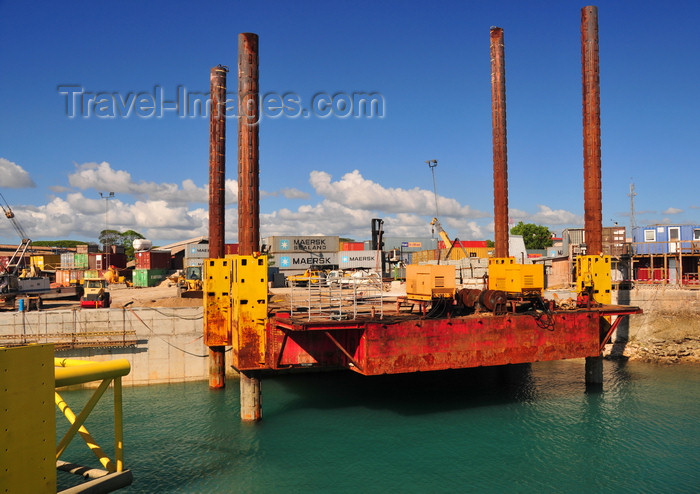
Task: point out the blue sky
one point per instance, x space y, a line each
429 63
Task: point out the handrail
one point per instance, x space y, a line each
70 372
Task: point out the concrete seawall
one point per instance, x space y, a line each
162 344
669 329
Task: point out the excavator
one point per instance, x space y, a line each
17 283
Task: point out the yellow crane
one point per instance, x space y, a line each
443 235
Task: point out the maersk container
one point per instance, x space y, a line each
297 244
153 259
359 259
196 251
189 262
143 278
304 261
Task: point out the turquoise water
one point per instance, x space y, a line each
482 430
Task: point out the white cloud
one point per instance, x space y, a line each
356 192
292 193
672 211
102 177
549 216
13 176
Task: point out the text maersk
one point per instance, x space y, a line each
360 258
311 260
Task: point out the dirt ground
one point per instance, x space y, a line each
163 295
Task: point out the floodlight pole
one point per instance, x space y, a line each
432 164
107 196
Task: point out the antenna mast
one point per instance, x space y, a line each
633 221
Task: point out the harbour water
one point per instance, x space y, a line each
521 429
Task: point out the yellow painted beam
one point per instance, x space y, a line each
92 371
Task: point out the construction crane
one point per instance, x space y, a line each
16 259
443 234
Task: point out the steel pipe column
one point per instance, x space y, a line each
500 156
593 200
248 189
592 181
217 199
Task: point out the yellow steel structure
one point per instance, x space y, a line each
249 295
235 307
593 276
218 275
429 281
29 455
28 432
70 372
506 275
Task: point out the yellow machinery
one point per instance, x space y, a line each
593 280
507 276
428 281
189 285
95 293
443 234
235 307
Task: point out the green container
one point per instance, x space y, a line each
148 277
80 261
91 273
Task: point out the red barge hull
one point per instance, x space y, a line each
398 344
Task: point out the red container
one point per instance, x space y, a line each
352 246
642 274
153 259
104 261
4 261
230 249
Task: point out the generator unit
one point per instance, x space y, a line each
427 282
507 276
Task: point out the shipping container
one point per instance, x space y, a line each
63 277
195 250
148 277
303 261
153 259
104 261
116 249
299 244
46 262
85 248
231 249
68 277
91 273
4 261
359 259
80 261
352 246
189 262
67 260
